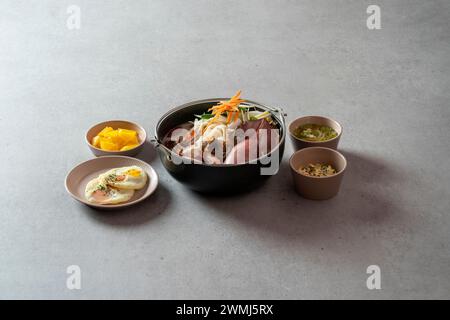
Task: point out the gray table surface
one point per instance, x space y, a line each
136 59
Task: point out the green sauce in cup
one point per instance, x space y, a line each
314 132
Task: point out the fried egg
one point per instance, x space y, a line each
98 191
132 177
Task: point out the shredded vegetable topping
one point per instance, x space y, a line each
231 107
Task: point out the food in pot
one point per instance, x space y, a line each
231 132
116 185
116 140
315 132
317 170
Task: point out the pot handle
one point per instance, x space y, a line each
157 145
278 110
155 142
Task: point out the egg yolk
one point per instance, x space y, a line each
133 172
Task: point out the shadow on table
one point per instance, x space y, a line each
276 208
148 153
140 213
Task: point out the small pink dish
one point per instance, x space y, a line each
80 175
317 188
115 124
300 143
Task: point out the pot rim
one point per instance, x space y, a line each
277 112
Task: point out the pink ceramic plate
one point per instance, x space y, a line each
79 176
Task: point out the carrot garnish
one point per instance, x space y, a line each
231 107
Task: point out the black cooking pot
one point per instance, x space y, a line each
224 178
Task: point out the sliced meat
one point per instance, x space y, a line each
254 145
254 124
268 138
244 151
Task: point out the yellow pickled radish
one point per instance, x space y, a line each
105 130
108 145
129 147
116 140
96 141
113 136
128 136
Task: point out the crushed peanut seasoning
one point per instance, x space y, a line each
317 170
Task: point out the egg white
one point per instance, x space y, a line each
111 195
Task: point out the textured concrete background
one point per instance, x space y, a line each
136 59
